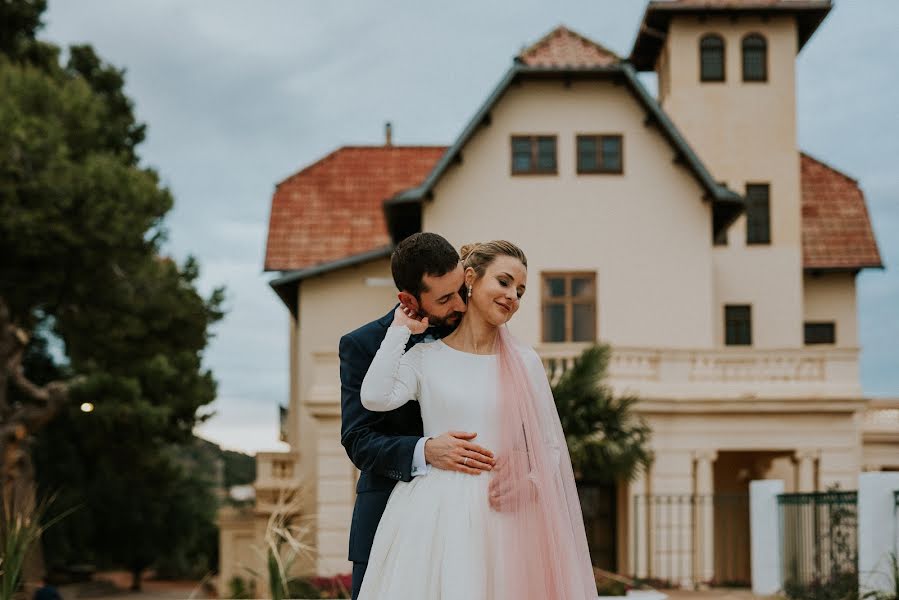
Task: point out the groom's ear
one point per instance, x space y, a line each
408 300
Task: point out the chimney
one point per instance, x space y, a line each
388 134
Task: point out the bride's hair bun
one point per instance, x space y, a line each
480 254
466 250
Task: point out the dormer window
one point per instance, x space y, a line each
711 57
755 58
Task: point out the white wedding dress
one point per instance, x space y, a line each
436 539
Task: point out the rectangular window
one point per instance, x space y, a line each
758 214
533 154
569 307
738 325
820 333
600 154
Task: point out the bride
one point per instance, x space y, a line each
515 532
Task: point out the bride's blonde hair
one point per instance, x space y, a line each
479 255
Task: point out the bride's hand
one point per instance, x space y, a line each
507 492
404 315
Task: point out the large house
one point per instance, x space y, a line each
687 230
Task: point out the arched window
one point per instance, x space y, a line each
755 58
711 57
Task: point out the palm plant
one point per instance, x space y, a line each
607 441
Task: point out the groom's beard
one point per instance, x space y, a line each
450 321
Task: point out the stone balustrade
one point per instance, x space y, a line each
720 373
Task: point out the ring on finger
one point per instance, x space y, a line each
465 462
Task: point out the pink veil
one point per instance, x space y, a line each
541 537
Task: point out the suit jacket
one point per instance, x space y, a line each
381 445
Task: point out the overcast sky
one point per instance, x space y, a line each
239 95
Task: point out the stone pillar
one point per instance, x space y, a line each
638 527
334 490
764 523
704 517
805 469
877 526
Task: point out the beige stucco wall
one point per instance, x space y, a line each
831 297
746 133
881 454
330 306
833 437
240 542
646 233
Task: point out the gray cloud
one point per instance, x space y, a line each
239 95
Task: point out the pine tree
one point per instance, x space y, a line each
607 441
91 310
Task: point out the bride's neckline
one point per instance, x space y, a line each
445 345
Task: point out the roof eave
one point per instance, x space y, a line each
286 284
843 268
713 190
418 193
654 25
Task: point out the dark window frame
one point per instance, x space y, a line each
812 329
737 339
568 301
534 139
599 169
703 78
753 224
752 37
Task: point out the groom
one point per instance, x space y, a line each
388 446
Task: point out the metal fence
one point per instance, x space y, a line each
819 537
689 540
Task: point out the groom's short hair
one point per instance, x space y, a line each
418 255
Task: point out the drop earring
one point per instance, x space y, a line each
469 291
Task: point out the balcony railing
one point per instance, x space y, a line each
277 470
720 373
810 374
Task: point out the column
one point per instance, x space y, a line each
638 540
877 527
805 469
764 521
704 517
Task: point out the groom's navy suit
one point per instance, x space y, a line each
380 444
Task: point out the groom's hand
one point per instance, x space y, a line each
453 451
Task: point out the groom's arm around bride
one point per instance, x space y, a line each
388 446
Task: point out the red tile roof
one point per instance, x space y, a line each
332 209
562 47
836 229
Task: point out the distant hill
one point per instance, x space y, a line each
227 467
